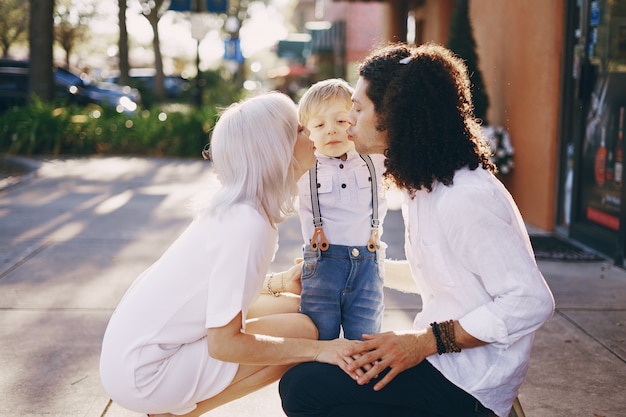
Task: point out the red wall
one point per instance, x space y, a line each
520 48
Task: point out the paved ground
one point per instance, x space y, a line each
75 233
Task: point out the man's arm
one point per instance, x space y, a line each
398 351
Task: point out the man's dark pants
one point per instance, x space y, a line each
321 390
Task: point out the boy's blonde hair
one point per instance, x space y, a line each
318 95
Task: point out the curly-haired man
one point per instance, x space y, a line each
466 243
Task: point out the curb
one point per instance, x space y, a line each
21 170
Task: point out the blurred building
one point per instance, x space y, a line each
555 73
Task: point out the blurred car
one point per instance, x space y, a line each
13 83
175 85
67 86
123 98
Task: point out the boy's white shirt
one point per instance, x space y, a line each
346 211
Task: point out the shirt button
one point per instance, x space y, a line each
340 166
355 252
319 185
343 185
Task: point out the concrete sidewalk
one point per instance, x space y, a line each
74 235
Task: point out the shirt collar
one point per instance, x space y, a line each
330 159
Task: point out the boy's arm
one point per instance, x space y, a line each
398 276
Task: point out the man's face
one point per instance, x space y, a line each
363 119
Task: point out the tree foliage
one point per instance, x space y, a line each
461 41
13 23
71 24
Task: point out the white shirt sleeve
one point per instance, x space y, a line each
487 236
242 248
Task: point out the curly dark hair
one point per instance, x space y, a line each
422 97
379 68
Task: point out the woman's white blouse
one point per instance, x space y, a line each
472 260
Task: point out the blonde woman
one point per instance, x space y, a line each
191 333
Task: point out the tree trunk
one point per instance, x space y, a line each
5 49
159 78
124 64
41 80
68 52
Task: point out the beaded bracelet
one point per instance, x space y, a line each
444 335
447 336
441 348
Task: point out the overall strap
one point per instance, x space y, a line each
318 234
374 241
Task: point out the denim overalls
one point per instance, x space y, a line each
342 286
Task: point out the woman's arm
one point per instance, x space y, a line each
274 340
286 281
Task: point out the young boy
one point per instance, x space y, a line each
342 208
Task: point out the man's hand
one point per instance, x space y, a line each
393 350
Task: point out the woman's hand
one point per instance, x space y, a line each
333 352
291 278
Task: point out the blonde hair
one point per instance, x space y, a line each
252 153
317 96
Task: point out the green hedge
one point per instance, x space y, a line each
57 129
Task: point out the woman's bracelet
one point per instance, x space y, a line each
269 286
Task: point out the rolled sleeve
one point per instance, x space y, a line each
496 251
476 265
484 325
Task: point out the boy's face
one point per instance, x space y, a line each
328 129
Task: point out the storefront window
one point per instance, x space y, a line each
602 171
